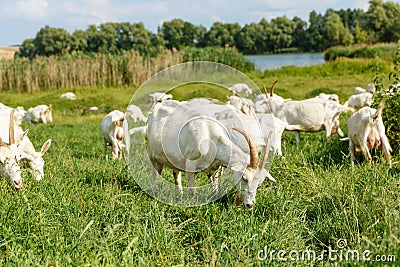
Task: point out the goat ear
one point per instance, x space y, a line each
21 137
45 146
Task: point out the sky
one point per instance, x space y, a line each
22 19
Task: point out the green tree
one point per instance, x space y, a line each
78 41
299 34
27 49
178 33
315 32
282 32
336 33
360 35
51 41
376 19
222 34
247 38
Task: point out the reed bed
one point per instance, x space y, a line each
103 70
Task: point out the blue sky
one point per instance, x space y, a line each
22 19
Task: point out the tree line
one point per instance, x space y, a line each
380 23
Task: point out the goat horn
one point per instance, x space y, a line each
272 88
265 90
253 149
266 152
11 132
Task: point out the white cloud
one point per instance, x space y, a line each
33 9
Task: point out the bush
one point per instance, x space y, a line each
390 114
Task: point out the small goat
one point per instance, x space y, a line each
40 113
113 133
69 96
10 154
134 113
29 154
366 131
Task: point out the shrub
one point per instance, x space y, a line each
391 111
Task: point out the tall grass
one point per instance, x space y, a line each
382 50
103 70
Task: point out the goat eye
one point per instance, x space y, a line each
244 178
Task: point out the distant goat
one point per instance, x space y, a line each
158 97
359 100
134 113
240 88
69 96
113 133
366 131
40 113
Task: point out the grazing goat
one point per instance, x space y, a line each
112 128
366 131
359 100
10 153
309 115
134 113
240 88
194 142
69 96
256 126
40 113
29 154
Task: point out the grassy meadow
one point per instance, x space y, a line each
91 212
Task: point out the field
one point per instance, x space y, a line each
7 52
88 211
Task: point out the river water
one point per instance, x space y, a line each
276 61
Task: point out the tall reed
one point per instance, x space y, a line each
103 70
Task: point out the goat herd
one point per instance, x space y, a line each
204 135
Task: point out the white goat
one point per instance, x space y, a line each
140 129
359 100
204 145
68 95
19 113
256 126
158 97
359 90
10 153
326 97
40 113
261 103
309 115
113 133
366 131
240 88
29 154
134 113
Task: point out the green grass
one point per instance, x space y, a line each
88 211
